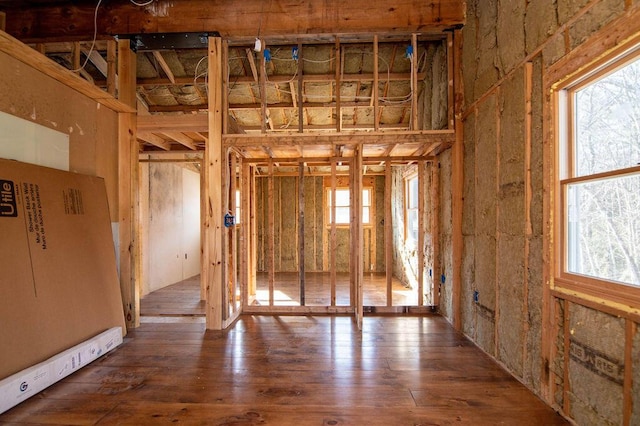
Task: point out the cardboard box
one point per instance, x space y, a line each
59 285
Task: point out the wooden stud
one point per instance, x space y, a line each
333 238
271 266
528 191
231 235
422 230
111 67
496 191
127 190
263 91
225 88
301 264
374 92
75 56
457 183
414 82
300 89
204 247
566 386
450 79
253 264
627 393
213 188
388 232
358 248
338 65
244 233
435 232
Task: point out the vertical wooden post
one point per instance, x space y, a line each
435 232
359 237
300 90
301 230
528 194
204 210
333 239
627 394
75 56
263 91
414 82
213 188
128 189
225 88
271 234
233 235
338 64
388 232
3 21
457 184
421 231
375 89
245 232
111 67
450 79
254 231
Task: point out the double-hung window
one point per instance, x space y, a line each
599 180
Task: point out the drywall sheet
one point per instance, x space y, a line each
30 142
59 285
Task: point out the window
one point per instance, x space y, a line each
411 207
238 207
599 135
343 210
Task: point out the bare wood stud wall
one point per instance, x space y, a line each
127 188
213 189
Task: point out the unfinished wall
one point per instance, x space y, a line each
507 45
433 100
316 230
92 128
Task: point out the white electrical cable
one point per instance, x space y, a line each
142 4
95 36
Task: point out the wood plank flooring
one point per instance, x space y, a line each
291 370
179 299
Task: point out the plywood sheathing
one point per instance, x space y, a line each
607 343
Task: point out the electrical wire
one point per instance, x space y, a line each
142 4
95 36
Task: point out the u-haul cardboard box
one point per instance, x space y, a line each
58 279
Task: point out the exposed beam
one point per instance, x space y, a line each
236 20
252 64
344 138
97 60
165 66
182 139
281 79
154 140
181 123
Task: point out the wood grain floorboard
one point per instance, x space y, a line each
291 370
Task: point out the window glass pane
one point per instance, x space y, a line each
413 193
607 122
412 225
365 215
603 229
366 201
342 197
237 206
342 215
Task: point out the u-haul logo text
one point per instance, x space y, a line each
8 207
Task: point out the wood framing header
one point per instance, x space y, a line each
246 19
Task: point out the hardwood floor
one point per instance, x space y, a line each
179 299
291 370
318 290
